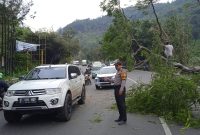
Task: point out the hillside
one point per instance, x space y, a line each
89 32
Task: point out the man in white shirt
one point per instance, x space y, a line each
168 50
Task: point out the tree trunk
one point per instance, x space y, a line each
187 69
159 25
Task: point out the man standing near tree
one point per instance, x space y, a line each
168 50
120 92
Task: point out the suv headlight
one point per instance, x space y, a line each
10 93
53 91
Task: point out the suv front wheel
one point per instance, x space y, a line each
66 111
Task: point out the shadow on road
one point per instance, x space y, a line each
39 118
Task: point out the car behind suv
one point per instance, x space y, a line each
104 73
48 88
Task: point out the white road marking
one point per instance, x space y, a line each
132 80
164 124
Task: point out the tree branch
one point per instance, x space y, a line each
146 49
187 69
159 25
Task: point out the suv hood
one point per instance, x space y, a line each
36 84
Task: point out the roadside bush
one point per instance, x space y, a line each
168 95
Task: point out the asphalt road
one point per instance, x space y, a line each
95 117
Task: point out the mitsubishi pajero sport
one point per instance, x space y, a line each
48 88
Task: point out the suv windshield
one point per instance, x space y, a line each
47 73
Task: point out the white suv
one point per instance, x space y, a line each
49 88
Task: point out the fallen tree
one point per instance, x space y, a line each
186 69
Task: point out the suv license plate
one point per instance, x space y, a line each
28 100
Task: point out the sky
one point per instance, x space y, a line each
54 14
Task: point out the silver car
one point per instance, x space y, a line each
94 71
105 72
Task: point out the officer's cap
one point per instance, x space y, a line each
118 63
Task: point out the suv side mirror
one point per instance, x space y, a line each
73 75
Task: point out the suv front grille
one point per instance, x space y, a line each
101 79
30 92
39 92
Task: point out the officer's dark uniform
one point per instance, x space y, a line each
120 80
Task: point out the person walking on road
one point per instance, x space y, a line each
120 92
3 88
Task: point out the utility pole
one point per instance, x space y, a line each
45 48
39 50
42 56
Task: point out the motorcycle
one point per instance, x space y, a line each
87 79
1 97
3 88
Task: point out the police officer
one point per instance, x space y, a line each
120 91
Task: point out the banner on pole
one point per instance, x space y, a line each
22 46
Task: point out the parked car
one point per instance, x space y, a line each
94 71
105 72
84 62
76 62
49 88
97 64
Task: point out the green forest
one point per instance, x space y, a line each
90 32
